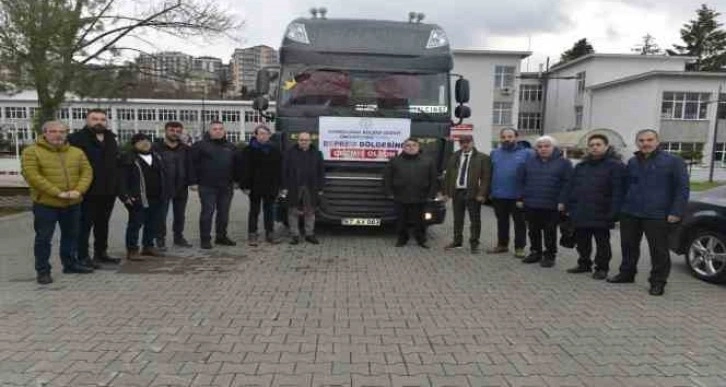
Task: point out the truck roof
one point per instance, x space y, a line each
370 36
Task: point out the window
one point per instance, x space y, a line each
580 83
719 153
503 76
32 111
188 115
126 114
167 115
270 117
109 115
253 116
79 113
530 93
15 112
578 117
234 136
677 147
530 122
146 115
684 106
230 116
210 115
62 114
502 114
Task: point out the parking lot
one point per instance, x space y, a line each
353 311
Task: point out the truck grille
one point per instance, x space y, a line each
353 196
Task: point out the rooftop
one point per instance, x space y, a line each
560 66
485 51
659 74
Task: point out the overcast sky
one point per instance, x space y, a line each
546 27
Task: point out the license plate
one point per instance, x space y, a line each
361 222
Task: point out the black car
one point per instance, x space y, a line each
701 236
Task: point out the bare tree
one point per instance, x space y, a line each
51 43
648 46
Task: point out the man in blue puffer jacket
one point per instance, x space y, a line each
657 190
506 160
542 180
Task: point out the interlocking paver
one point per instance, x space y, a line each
351 311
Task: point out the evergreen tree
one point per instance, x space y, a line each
581 48
705 40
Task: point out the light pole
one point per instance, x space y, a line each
714 140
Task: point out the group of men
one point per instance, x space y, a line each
76 179
538 189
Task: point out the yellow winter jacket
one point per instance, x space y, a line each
50 171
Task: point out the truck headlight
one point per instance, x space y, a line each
437 39
298 33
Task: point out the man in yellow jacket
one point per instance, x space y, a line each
58 175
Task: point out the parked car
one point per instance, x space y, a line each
701 236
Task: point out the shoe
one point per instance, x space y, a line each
161 244
475 249
77 269
401 242
547 262
270 238
532 258
295 240
498 250
44 279
93 264
453 245
252 240
151 252
224 241
519 253
579 269
181 242
422 244
312 239
104 258
206 245
657 289
133 255
600 274
621 278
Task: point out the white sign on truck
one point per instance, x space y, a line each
362 138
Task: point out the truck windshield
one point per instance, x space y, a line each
365 90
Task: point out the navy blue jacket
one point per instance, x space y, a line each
543 183
595 191
213 163
656 186
505 163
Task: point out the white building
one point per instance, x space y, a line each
494 77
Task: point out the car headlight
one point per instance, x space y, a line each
437 39
298 33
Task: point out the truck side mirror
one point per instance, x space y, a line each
462 111
260 103
263 82
462 90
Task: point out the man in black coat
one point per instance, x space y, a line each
100 146
175 155
594 196
260 168
410 180
212 173
303 176
142 187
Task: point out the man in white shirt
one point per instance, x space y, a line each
468 173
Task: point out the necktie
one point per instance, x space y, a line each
462 170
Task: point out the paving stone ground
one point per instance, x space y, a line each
354 311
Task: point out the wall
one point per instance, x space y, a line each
479 70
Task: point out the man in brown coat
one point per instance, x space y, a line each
468 173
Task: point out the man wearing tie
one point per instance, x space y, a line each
468 173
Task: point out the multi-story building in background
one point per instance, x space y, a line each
245 64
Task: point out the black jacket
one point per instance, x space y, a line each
212 163
259 168
177 162
104 158
595 191
410 179
132 183
302 169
